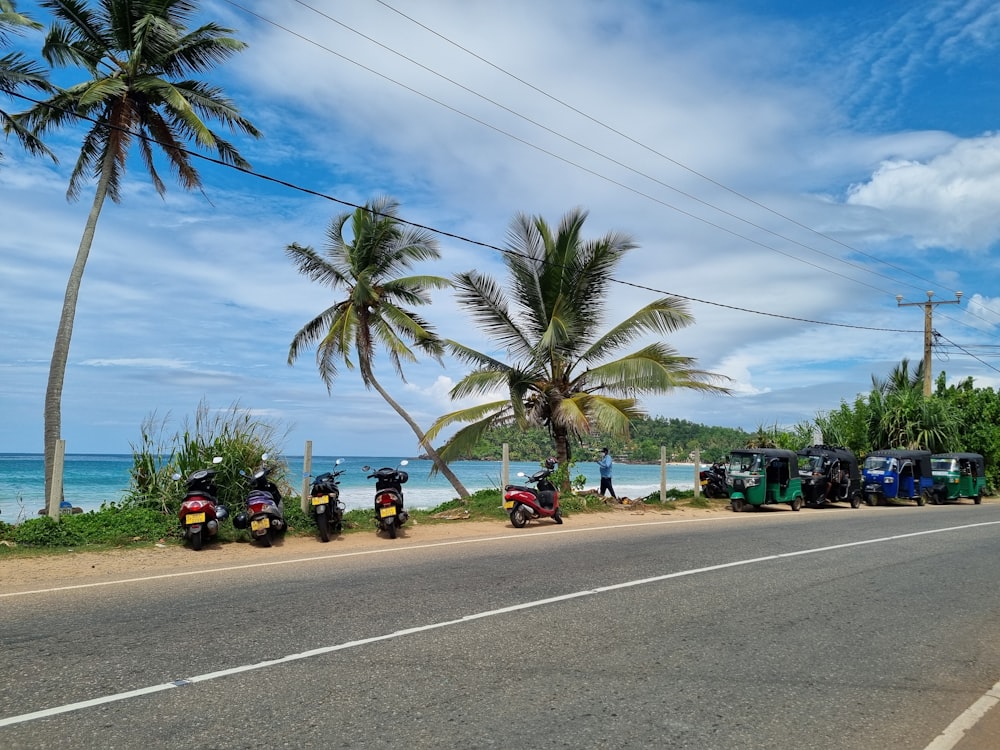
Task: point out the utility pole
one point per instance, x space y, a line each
928 329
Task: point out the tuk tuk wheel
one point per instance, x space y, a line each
737 505
856 500
872 499
922 497
797 503
978 498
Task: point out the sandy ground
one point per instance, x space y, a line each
44 570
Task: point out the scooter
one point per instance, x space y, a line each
200 512
264 514
713 481
525 503
324 503
389 512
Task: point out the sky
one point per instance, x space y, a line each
787 168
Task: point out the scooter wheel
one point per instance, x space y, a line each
557 516
323 524
517 518
197 539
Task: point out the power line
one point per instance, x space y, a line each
601 155
442 232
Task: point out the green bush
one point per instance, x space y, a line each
237 436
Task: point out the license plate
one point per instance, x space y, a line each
386 511
508 505
321 500
260 523
192 518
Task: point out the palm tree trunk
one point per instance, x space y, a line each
64 334
438 461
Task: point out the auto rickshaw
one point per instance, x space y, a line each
763 476
958 475
898 475
830 474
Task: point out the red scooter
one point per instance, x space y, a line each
200 512
526 503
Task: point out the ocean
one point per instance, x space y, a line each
91 479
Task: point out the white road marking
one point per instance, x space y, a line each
56 710
968 719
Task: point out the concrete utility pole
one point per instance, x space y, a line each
928 329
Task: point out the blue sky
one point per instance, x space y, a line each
808 161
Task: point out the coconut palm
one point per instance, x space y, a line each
136 54
367 251
17 72
566 372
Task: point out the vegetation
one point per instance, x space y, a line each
236 435
18 72
564 370
365 263
681 438
137 54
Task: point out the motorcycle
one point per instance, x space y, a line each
200 512
524 503
324 502
264 514
713 481
389 512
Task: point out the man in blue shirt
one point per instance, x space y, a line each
605 467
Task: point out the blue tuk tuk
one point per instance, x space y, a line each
898 475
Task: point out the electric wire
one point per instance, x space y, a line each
595 152
612 160
442 232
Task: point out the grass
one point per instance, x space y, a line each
115 527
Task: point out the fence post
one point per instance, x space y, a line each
307 462
663 473
697 473
55 498
505 467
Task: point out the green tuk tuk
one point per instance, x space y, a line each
958 475
763 476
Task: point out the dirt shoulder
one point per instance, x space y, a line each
47 569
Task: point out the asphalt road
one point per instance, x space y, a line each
832 628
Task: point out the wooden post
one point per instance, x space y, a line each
663 473
55 498
505 467
307 462
697 473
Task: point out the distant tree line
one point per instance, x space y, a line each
680 436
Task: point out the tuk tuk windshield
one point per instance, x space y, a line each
812 464
880 463
944 464
741 463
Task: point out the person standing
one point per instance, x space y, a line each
605 468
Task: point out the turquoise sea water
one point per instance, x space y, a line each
91 479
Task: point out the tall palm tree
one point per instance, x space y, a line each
17 72
366 262
565 371
136 53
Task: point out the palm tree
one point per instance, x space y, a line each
365 263
136 53
562 374
17 72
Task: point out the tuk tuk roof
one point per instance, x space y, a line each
921 458
974 457
769 453
839 452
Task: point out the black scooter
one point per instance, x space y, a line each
324 503
389 512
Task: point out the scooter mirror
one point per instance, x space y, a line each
366 467
404 462
217 460
242 473
175 476
521 474
338 462
264 457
